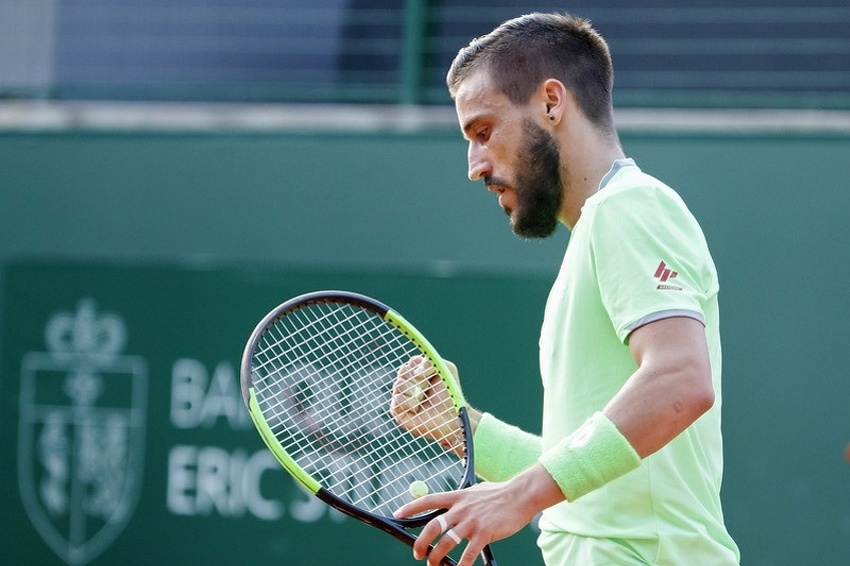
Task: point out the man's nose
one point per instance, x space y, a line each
479 165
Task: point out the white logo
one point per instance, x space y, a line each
81 433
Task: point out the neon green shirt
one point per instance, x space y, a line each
636 255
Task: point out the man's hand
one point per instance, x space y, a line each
422 404
481 514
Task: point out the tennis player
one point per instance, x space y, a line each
628 467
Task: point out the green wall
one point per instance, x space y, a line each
144 218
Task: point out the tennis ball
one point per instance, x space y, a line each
415 396
418 393
418 488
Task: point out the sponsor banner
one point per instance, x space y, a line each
128 440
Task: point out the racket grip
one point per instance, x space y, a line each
487 556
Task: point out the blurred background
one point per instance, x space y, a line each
172 170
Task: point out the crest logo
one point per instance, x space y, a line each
81 433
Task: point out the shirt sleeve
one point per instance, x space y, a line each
651 259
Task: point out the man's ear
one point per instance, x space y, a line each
554 95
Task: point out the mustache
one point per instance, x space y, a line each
497 181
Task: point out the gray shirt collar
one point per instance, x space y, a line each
615 168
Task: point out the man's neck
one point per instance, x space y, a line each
584 173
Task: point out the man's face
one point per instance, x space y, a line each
516 158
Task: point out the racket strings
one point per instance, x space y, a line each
358 387
387 452
448 440
298 350
323 378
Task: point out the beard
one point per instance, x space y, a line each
538 185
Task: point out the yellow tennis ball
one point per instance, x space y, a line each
418 488
418 393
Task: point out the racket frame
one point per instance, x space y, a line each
395 527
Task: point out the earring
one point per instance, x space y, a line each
551 116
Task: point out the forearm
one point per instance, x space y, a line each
474 418
652 419
593 455
586 460
671 388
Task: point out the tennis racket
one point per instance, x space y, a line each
319 376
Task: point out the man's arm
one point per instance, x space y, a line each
671 388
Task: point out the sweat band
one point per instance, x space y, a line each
590 457
502 450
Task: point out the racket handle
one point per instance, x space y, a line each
487 556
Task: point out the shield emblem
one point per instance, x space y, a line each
81 434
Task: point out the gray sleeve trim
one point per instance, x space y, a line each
661 315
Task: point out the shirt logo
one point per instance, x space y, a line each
664 274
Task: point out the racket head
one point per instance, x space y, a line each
317 376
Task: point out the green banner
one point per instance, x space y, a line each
131 445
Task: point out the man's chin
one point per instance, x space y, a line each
529 230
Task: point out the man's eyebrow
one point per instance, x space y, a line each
469 125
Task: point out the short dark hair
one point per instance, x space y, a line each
523 52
